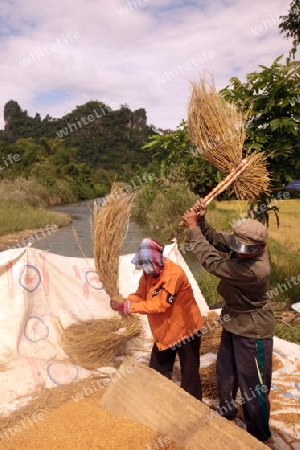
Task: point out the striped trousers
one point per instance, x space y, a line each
245 364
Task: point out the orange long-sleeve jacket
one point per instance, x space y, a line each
169 303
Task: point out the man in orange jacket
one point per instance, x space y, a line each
165 295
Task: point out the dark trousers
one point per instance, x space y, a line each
189 357
246 363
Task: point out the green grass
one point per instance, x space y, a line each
287 332
285 266
208 284
18 216
23 203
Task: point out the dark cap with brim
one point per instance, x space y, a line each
239 247
248 236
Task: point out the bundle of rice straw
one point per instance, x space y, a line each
211 338
210 341
217 129
110 228
97 342
209 381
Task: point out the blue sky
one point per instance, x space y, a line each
58 54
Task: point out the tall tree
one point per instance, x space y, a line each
290 26
272 95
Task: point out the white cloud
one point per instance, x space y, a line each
117 58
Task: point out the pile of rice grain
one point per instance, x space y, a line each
85 425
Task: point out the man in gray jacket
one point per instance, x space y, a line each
244 358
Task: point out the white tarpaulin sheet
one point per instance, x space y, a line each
38 287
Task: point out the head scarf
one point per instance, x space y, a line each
149 257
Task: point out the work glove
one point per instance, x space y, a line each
124 308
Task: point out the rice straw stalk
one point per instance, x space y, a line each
217 129
209 381
110 228
97 342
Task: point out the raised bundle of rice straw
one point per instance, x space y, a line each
217 129
97 342
110 229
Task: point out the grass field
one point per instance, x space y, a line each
288 232
23 207
16 216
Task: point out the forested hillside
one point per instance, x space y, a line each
87 148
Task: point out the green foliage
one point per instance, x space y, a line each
208 284
143 201
88 148
167 208
290 26
272 96
181 161
16 119
158 207
102 137
52 165
35 194
260 210
287 332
